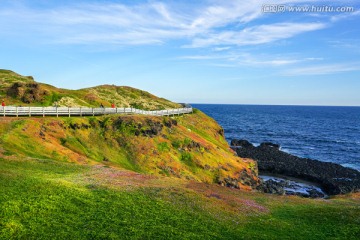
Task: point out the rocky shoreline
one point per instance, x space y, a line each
332 178
282 185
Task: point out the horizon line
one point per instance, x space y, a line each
290 105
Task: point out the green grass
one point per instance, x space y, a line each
307 222
163 147
37 204
90 97
45 199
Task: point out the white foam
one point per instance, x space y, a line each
299 187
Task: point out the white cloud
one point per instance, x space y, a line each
323 69
257 35
346 44
201 57
231 58
342 16
151 22
219 49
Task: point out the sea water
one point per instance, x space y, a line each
330 134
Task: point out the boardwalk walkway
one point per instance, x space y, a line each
85 111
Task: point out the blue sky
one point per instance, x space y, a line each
189 51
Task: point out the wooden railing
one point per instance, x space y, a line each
84 111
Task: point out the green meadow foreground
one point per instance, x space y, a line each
46 199
140 177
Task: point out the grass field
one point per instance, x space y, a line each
46 199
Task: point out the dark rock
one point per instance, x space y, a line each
221 132
207 167
313 193
28 92
150 129
191 145
74 126
246 179
287 187
231 182
241 143
42 134
269 144
85 126
154 128
271 186
333 178
170 122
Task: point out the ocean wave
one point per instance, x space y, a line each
285 150
317 133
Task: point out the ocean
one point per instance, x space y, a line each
330 134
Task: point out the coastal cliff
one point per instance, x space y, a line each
140 177
189 146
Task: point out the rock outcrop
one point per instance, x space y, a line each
333 178
286 187
27 92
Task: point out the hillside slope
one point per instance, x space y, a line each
140 177
21 90
189 146
180 146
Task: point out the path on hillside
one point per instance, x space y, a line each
9 111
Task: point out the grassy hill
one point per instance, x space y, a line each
181 146
20 90
140 177
189 147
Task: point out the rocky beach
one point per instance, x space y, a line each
332 178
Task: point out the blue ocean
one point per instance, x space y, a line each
330 134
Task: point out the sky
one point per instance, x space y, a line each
286 52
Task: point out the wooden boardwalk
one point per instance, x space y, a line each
9 111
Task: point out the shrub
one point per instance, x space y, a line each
176 143
187 142
163 146
186 158
63 141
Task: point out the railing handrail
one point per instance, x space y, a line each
86 111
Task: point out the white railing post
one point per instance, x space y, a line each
18 111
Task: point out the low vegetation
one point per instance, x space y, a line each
47 199
21 90
154 145
140 177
